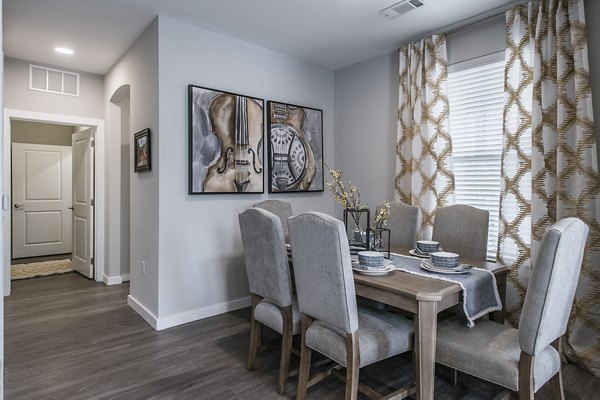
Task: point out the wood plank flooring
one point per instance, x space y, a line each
70 338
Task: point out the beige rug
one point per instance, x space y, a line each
42 268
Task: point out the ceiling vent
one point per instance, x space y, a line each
53 80
400 8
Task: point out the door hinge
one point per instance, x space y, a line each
93 203
93 143
92 261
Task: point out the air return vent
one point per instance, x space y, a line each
401 8
53 80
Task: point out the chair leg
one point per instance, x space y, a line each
526 376
286 348
352 366
305 356
255 334
556 383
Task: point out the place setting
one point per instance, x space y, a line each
445 263
372 263
424 248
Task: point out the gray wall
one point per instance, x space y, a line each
17 94
366 100
592 14
39 133
201 264
138 68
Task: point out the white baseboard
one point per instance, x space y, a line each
143 311
125 277
200 313
112 280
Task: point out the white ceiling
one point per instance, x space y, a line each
330 33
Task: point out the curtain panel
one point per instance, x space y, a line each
549 161
424 148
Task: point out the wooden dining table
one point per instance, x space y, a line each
425 298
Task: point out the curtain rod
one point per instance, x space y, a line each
469 22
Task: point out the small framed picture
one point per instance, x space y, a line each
141 151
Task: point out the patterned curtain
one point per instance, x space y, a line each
424 165
549 165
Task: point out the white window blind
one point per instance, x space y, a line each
476 100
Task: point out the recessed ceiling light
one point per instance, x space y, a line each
63 50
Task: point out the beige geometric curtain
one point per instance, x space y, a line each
424 148
549 160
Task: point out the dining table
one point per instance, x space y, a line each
425 298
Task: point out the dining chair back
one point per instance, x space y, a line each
462 229
552 285
270 284
323 270
403 224
280 208
332 323
524 360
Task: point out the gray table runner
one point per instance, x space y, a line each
480 292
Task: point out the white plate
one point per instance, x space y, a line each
374 271
461 269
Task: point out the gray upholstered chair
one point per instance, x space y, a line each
403 224
524 360
270 285
280 208
332 324
462 229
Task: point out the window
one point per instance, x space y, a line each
476 100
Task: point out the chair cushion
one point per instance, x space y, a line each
491 352
270 314
381 334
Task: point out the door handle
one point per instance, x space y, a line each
17 206
70 207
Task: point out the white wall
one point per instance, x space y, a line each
138 67
201 264
4 215
366 104
17 94
39 133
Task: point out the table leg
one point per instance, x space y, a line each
425 335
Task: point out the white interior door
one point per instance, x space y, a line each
41 200
83 206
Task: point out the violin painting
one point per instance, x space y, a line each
295 148
226 142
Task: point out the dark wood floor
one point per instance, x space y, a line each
70 338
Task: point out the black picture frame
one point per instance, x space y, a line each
142 151
295 151
226 141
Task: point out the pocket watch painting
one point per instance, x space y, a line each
226 142
295 148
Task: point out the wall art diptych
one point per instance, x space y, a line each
225 142
295 136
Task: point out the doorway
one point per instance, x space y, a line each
95 196
52 191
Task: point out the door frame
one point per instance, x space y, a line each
99 179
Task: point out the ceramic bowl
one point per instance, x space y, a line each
444 259
428 246
370 258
